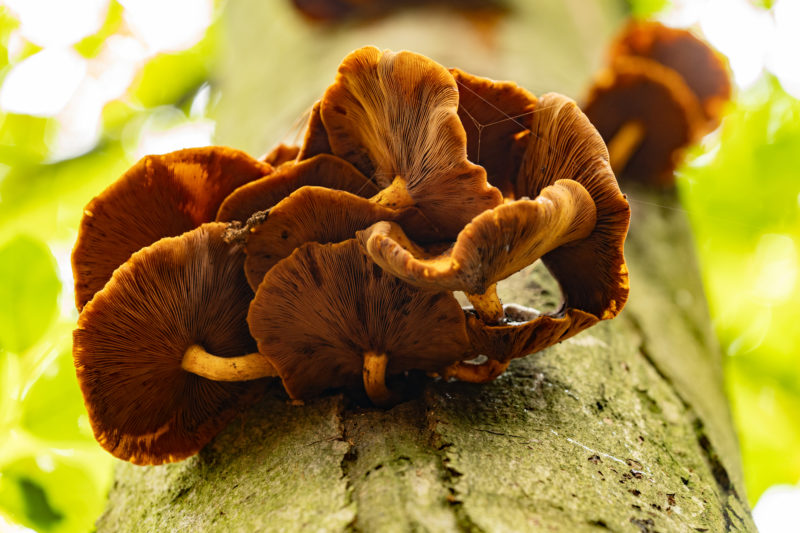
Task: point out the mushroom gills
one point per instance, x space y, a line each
242 368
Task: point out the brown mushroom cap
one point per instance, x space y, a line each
323 170
637 90
524 331
131 338
592 272
315 141
310 214
160 196
494 245
496 116
395 116
317 313
703 69
283 153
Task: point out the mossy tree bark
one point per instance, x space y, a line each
623 427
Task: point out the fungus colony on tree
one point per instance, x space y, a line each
663 90
333 264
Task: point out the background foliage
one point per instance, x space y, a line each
740 188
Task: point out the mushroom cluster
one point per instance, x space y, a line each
662 90
334 264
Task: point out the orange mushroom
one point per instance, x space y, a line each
160 196
153 391
327 317
701 67
322 170
647 115
310 214
283 153
394 116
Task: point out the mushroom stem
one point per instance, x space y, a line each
482 373
487 305
242 368
375 379
394 196
624 143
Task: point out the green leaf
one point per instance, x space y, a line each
56 386
648 8
29 288
90 46
169 78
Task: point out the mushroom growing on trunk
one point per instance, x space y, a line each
143 346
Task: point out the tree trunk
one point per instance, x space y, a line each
623 427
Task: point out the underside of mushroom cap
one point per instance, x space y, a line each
524 331
315 141
323 170
637 90
160 196
496 116
494 245
317 312
703 69
131 338
564 145
310 214
395 115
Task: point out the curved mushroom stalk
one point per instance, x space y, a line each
241 368
395 196
327 316
496 244
624 143
375 380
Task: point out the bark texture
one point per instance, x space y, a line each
624 427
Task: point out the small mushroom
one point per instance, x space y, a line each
327 316
315 141
494 245
647 115
323 170
310 214
160 196
702 68
143 346
394 116
496 116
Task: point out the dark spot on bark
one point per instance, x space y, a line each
635 492
595 459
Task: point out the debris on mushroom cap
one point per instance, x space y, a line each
283 153
496 116
640 91
494 245
317 312
310 214
131 338
703 69
160 196
592 272
394 116
322 170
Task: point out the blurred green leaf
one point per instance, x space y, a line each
90 46
51 493
170 78
648 8
24 138
29 288
56 386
